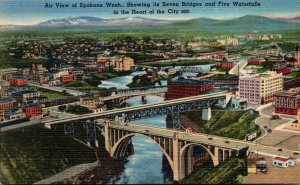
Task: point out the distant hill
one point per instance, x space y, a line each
241 24
93 21
293 19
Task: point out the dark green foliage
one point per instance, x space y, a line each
225 173
77 109
62 108
35 153
232 124
7 62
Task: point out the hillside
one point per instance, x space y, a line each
242 24
226 173
232 124
140 24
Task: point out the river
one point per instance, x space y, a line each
122 81
145 165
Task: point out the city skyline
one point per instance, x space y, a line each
33 11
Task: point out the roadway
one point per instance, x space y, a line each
136 108
239 68
278 136
37 121
59 89
133 94
206 139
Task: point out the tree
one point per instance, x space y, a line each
62 108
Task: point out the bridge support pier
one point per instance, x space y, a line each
107 136
176 120
177 171
69 129
206 114
90 127
144 99
189 160
176 148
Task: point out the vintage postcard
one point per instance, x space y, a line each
149 92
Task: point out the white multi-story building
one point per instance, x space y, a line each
232 41
260 89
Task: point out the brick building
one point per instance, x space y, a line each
18 81
287 103
117 63
226 82
226 64
33 111
23 96
256 61
282 69
187 87
6 103
67 78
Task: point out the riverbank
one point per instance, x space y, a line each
92 81
35 153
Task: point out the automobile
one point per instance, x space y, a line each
269 130
210 138
147 131
275 117
296 153
280 149
261 165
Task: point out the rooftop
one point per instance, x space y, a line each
281 159
26 92
190 82
6 100
262 75
19 77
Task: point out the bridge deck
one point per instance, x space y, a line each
206 139
137 108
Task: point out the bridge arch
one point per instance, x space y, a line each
183 150
115 147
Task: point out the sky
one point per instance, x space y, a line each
29 12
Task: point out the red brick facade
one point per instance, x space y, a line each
67 79
33 111
6 103
284 71
18 81
227 65
287 103
256 61
186 88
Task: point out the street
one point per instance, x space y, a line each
278 137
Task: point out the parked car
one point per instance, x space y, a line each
268 130
275 117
